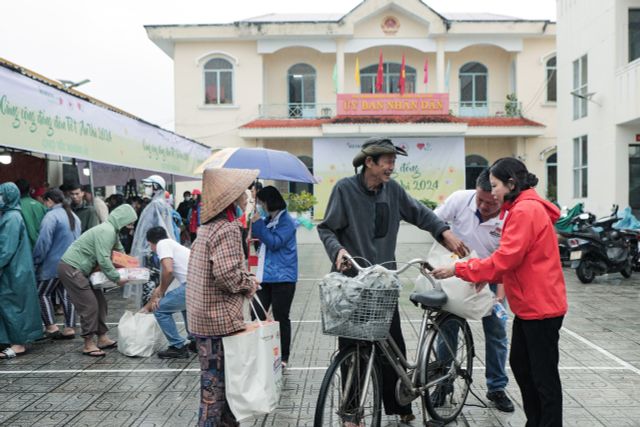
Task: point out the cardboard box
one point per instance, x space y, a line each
121 260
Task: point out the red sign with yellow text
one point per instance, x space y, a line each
393 104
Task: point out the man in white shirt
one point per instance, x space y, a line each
474 218
174 261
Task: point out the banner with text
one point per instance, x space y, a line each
433 169
37 117
393 104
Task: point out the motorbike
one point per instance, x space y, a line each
594 247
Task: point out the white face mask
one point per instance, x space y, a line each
148 191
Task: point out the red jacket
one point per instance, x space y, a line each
527 261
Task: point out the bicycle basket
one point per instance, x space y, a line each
369 319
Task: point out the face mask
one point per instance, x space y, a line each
239 212
1 201
262 212
187 198
148 191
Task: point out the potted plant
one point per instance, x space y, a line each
300 205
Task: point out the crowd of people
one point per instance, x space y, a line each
198 258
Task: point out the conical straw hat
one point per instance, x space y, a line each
221 187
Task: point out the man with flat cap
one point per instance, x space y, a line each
362 220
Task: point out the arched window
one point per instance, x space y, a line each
391 78
473 90
302 90
552 177
218 82
550 68
474 164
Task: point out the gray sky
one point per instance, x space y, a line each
105 40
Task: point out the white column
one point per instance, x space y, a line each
340 64
440 66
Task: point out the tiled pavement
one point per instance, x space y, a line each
55 385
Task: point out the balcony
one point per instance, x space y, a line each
627 103
328 110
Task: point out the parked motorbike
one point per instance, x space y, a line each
595 247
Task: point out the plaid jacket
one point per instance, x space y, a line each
217 280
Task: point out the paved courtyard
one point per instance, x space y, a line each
54 385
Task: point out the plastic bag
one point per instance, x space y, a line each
462 298
139 334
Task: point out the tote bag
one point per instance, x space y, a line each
462 298
253 369
139 334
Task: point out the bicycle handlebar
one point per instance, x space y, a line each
425 267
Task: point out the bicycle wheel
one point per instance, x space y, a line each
446 367
343 387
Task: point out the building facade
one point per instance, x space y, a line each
599 103
273 81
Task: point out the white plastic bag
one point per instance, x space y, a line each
136 276
139 334
462 298
253 369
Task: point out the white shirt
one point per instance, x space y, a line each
460 211
169 248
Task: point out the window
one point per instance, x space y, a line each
473 89
551 80
634 176
474 165
580 167
218 82
391 78
634 34
552 177
302 91
580 88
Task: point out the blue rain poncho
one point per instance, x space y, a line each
19 309
157 214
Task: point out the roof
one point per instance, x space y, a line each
470 121
480 17
295 17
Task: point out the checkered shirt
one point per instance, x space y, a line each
217 280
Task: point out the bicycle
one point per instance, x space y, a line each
441 374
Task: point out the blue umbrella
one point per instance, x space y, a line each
273 164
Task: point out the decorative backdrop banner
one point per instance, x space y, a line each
433 169
40 118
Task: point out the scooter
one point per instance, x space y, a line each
595 247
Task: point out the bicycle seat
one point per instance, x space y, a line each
434 298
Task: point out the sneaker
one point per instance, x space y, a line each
439 395
407 418
501 400
174 353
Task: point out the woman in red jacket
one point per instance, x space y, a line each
527 262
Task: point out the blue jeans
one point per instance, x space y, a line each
496 350
172 302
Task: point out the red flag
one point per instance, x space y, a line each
403 77
426 70
380 76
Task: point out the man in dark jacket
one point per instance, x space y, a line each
87 213
362 220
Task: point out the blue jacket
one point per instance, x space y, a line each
278 236
54 239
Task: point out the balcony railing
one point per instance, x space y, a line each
328 110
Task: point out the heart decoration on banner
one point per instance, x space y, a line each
420 145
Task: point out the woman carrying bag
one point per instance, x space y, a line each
217 284
278 260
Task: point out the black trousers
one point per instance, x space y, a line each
389 376
534 361
280 296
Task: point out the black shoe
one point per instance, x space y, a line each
502 402
439 395
174 353
192 346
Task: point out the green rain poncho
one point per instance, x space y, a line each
19 309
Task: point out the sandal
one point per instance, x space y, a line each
94 353
62 336
108 346
55 335
8 353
